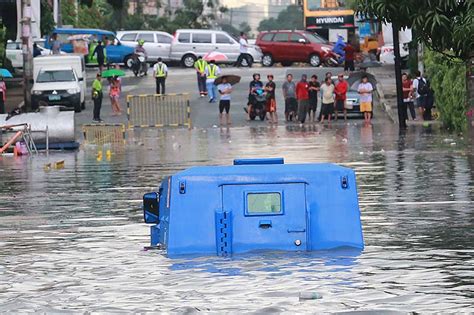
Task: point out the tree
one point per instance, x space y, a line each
290 18
445 26
245 27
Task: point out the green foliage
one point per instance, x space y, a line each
245 27
47 19
3 43
448 82
230 29
97 15
290 18
440 24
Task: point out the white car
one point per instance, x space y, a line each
14 53
157 44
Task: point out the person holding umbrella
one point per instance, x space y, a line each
224 87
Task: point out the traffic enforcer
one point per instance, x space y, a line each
255 204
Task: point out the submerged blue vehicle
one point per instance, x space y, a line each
255 204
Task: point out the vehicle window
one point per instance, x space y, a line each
223 39
148 38
267 37
315 39
163 39
295 37
64 38
56 76
280 37
264 203
13 46
129 37
184 38
202 38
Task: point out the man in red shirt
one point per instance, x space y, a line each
341 94
349 59
302 95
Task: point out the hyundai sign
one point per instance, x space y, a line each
343 21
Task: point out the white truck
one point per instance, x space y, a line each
59 80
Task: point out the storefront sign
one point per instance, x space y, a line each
330 21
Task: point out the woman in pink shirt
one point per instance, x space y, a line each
3 95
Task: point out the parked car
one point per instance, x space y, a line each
157 44
14 53
188 44
116 52
287 47
59 80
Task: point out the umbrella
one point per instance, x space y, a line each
113 73
232 79
5 73
216 56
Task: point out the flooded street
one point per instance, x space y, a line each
73 239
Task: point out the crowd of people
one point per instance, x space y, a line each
301 98
416 94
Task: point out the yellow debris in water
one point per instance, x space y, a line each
59 164
47 167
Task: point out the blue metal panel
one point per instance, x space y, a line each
283 231
319 209
155 235
259 161
223 233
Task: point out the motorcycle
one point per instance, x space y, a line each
139 65
259 105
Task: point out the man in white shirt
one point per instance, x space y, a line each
160 72
243 51
420 98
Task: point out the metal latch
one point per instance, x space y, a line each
182 187
344 182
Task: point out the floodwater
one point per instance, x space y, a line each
73 239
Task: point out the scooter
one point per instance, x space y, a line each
139 65
259 104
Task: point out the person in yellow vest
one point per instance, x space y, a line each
160 72
200 66
212 71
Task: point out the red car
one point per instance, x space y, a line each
293 46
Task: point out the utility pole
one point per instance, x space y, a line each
231 11
26 48
60 16
398 77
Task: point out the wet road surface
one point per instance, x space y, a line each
72 239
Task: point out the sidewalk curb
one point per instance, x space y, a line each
384 104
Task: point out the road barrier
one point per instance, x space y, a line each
167 110
100 134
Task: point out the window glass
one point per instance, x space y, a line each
316 39
267 37
202 38
295 37
266 203
280 37
223 39
63 38
163 39
184 38
56 76
148 38
13 46
129 37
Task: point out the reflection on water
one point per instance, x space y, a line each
73 238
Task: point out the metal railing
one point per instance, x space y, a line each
100 134
157 110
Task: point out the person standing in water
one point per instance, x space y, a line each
224 104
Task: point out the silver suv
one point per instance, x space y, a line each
188 44
157 44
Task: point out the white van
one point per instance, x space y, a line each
59 80
157 44
188 44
